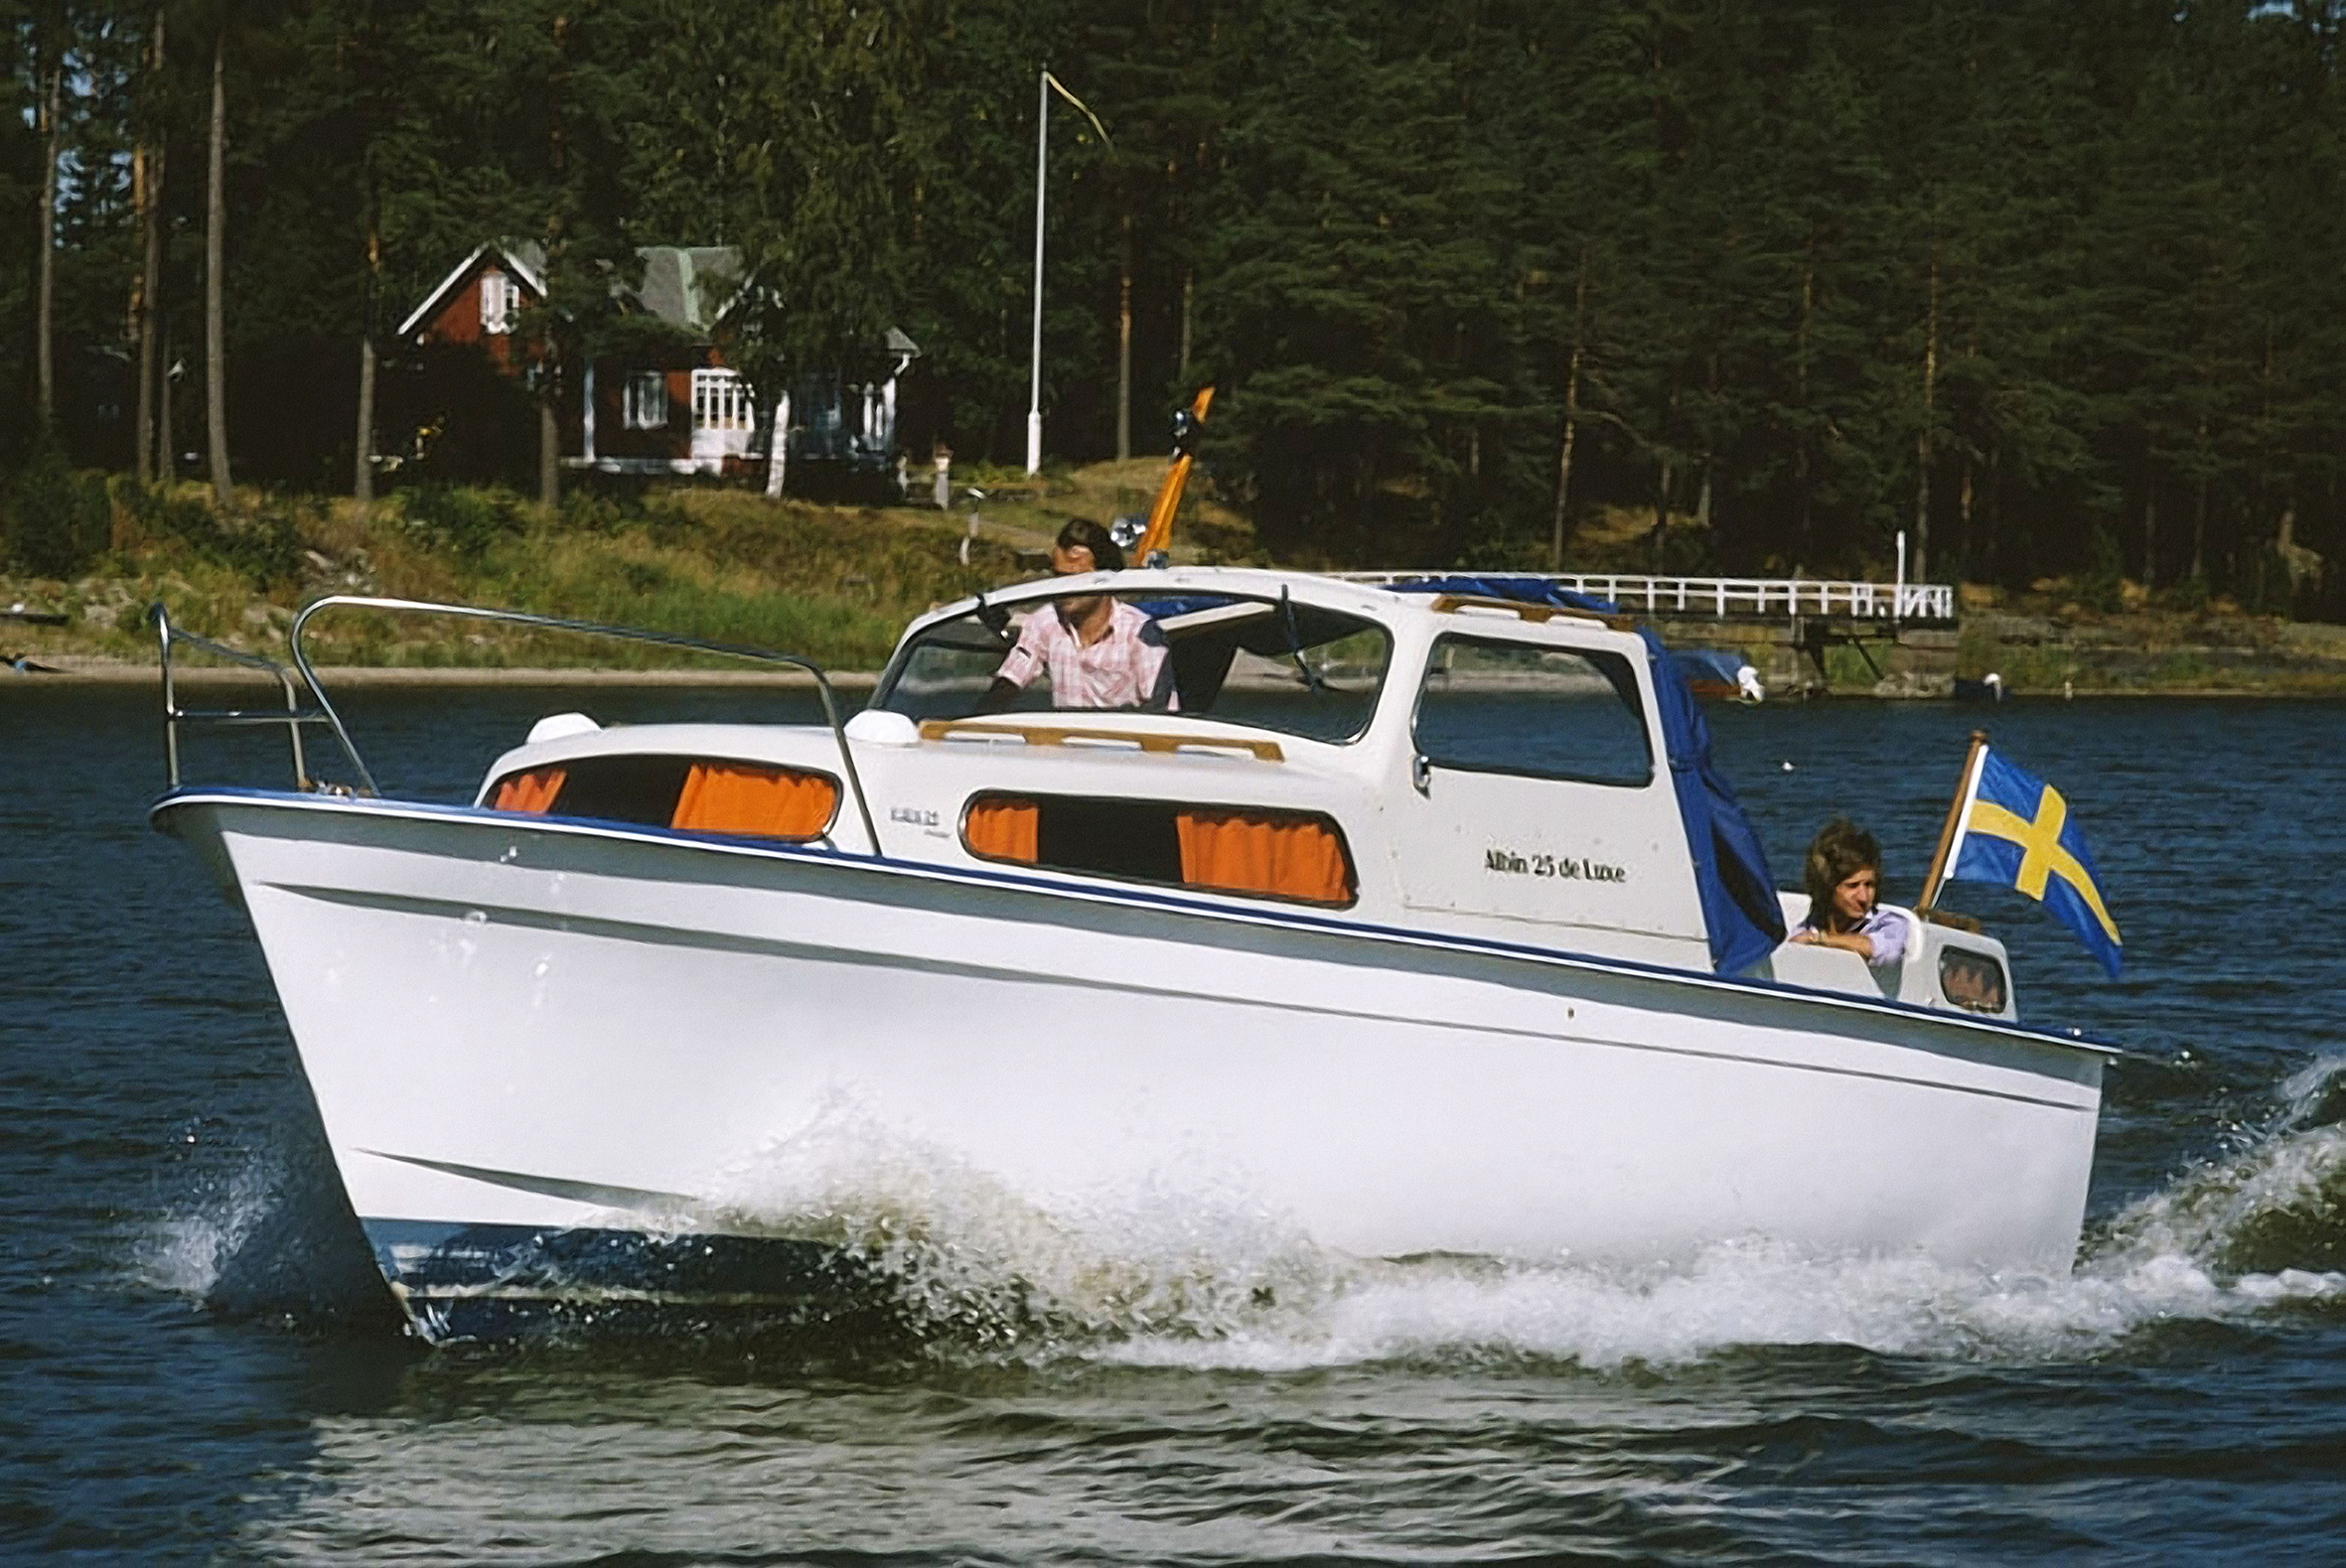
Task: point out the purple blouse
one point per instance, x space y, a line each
1884 929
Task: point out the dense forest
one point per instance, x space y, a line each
2055 287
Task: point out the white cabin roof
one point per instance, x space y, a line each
1428 614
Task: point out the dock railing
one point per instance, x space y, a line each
1751 598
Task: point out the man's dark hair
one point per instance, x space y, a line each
1083 533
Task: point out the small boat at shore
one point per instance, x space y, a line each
1415 914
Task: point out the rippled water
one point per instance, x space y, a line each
194 1362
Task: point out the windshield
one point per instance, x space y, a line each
1269 662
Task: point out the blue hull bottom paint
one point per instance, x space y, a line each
493 1282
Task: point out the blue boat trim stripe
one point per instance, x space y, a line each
1256 914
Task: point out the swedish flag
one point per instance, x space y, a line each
2015 831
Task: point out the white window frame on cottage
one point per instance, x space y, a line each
721 400
501 296
646 404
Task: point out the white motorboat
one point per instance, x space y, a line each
1415 913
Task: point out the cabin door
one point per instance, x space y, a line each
1538 797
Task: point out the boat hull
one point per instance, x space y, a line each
555 1027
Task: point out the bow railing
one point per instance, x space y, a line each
322 711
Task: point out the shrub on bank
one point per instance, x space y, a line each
53 520
264 546
465 519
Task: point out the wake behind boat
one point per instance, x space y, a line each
1416 913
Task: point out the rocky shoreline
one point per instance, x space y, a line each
2050 653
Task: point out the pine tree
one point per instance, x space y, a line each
2035 283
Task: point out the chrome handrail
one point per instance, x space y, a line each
293 718
823 685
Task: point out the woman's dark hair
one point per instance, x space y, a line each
1839 852
1083 533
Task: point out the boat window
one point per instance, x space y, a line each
1492 706
1973 981
1275 664
532 792
697 794
1252 850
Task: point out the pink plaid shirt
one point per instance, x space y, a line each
1124 669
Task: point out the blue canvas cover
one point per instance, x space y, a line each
1739 908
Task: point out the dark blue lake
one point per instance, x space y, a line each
196 1365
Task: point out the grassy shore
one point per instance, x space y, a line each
836 584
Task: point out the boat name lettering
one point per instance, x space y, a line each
1564 868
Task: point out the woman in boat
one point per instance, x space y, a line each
1844 878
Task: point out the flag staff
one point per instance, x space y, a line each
1954 816
1157 539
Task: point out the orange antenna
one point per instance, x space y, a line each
1159 536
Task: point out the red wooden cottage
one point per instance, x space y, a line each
672 406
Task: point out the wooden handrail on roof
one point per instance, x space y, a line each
1138 739
1448 604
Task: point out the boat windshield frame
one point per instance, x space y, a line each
1249 643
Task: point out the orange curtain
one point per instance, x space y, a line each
1003 829
754 802
529 791
1286 855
